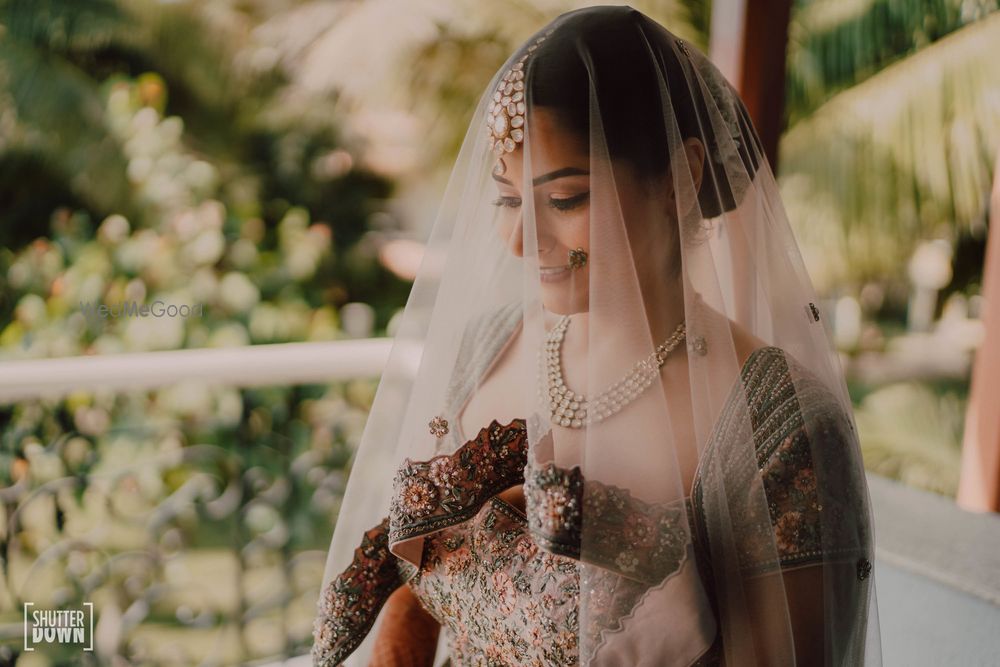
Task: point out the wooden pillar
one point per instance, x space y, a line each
748 45
979 485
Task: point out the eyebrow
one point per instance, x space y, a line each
551 176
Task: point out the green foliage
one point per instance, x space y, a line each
912 432
904 156
56 147
133 501
108 496
62 26
836 44
141 162
266 157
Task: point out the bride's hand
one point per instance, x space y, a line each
408 635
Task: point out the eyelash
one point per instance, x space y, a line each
564 204
507 202
569 203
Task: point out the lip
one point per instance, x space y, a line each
554 274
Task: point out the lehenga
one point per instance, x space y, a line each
505 589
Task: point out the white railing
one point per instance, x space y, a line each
254 365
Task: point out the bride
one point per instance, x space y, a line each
612 429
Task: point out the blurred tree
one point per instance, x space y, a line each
55 148
903 156
835 44
272 148
448 72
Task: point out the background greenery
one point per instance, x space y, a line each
172 150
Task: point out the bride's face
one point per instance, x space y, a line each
562 214
560 192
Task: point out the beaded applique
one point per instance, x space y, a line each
638 540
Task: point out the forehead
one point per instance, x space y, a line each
550 142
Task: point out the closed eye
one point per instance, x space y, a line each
507 202
568 203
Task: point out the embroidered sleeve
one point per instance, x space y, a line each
351 601
811 475
815 492
450 488
805 466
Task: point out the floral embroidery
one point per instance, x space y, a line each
805 481
460 560
627 562
789 531
526 548
418 497
500 599
443 471
633 544
450 488
556 495
351 602
503 585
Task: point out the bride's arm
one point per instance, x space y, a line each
408 634
814 605
802 591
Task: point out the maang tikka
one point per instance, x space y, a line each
505 117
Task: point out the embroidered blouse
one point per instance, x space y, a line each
506 590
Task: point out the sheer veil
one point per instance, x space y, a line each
612 275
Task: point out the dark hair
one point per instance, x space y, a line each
626 58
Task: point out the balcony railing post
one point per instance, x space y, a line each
979 484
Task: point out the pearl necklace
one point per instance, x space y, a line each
568 408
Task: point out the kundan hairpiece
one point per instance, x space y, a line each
505 120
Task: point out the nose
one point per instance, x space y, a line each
515 242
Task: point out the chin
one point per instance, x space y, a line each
559 302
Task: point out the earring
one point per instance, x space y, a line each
577 258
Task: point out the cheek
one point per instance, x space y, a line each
504 223
507 222
572 229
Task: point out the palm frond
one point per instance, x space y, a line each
58 115
904 156
62 25
835 44
55 55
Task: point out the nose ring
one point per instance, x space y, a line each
577 258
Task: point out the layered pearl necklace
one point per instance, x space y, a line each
568 408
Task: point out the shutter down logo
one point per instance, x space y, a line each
64 627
